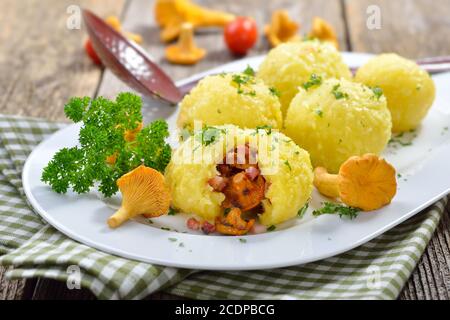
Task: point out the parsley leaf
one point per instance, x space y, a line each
171 212
265 127
274 91
286 162
244 79
338 94
335 208
249 71
209 135
314 80
303 210
377 91
271 228
106 124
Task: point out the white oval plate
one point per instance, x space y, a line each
425 177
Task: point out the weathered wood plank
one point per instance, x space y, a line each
42 61
42 64
414 29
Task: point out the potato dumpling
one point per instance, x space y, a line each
338 119
290 65
285 167
409 90
239 99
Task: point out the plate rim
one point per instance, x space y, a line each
255 266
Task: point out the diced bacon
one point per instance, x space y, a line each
218 183
258 228
208 228
252 172
193 224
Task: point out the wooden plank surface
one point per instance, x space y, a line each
42 64
42 72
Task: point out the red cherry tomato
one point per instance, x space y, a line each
91 52
241 35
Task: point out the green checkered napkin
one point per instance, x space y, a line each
375 270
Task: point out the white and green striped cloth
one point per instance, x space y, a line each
375 270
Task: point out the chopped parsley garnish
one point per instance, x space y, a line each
303 210
265 127
335 208
171 212
338 94
181 244
319 113
242 240
173 239
271 228
105 124
286 162
209 135
249 71
244 79
378 92
274 91
401 140
314 80
165 228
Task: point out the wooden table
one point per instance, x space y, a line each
42 64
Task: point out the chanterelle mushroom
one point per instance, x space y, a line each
322 30
367 182
185 51
232 223
143 192
171 14
281 28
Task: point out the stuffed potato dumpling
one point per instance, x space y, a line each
271 181
409 90
237 98
288 66
338 119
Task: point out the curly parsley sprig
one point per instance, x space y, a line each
102 135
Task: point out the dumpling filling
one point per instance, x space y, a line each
244 187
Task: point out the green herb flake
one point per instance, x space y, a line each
249 71
338 94
274 91
241 240
173 239
209 135
171 212
302 211
319 113
165 228
271 228
314 80
243 79
377 91
265 127
181 244
286 162
335 208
